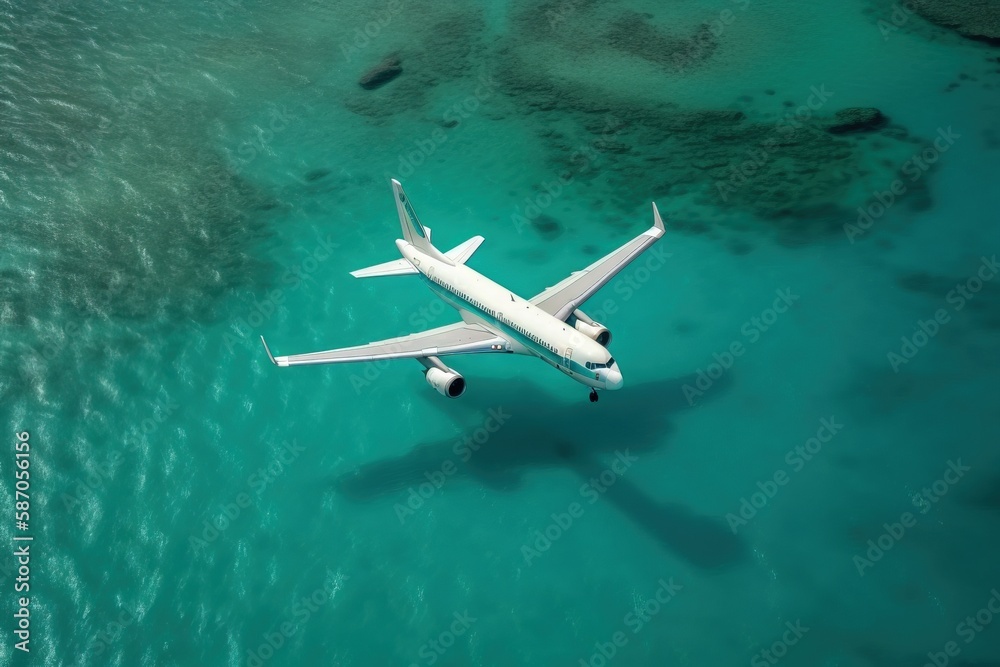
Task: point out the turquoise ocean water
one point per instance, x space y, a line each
179 178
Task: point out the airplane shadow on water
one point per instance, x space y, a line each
579 436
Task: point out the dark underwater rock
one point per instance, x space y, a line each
634 34
382 73
798 179
857 119
316 174
442 51
975 19
547 226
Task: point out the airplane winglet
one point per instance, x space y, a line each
266 349
657 230
657 220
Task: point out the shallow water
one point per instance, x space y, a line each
177 179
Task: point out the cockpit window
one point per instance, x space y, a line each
595 365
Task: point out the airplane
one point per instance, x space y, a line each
549 326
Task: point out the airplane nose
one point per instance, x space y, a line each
613 378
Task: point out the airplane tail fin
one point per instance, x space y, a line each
414 232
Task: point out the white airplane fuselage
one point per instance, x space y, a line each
527 328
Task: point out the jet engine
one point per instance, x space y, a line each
446 381
589 328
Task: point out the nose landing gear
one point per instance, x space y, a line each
593 396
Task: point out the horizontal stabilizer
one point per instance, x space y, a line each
460 254
398 267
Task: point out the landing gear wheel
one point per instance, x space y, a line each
593 396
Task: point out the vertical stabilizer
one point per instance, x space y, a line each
415 233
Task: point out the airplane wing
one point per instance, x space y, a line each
562 299
459 338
